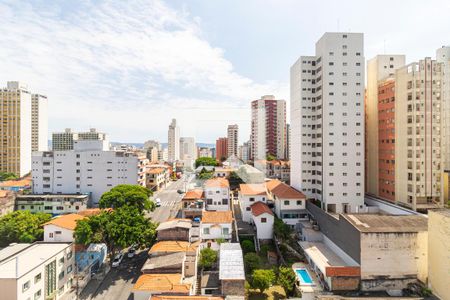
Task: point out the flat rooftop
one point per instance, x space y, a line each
28 257
231 262
387 223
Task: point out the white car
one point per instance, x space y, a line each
117 260
131 251
158 202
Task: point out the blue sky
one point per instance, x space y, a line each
128 67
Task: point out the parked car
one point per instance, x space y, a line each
117 260
158 202
180 192
132 251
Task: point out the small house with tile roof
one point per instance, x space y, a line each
61 228
263 219
216 225
217 194
149 285
249 194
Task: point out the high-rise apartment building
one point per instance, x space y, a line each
233 140
188 151
39 122
221 148
418 167
244 151
380 114
268 132
62 141
90 168
174 141
327 123
23 127
287 154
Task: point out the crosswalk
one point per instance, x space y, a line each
168 203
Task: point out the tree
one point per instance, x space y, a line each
235 180
247 246
118 229
263 279
205 174
7 176
130 195
205 161
270 157
22 227
252 261
281 229
287 278
207 258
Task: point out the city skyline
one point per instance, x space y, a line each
142 51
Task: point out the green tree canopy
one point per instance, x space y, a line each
287 278
247 246
252 261
7 176
262 279
205 174
22 227
207 257
118 229
281 229
270 157
128 195
205 161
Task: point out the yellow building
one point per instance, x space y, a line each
439 252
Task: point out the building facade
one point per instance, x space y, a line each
233 140
173 141
268 128
327 123
417 134
23 127
52 204
221 148
88 169
188 151
62 141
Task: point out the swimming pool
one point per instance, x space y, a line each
304 277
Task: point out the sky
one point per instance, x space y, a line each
128 67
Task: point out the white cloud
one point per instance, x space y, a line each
126 68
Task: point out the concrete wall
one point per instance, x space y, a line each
264 231
174 234
344 283
339 231
66 235
233 287
439 253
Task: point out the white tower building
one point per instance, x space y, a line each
174 141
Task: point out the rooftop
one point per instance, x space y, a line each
19 183
65 221
156 171
163 283
215 217
259 208
218 182
253 189
193 194
175 223
162 297
19 259
282 190
51 196
163 261
173 246
231 263
92 211
210 280
387 223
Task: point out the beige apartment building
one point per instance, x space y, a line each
233 136
418 135
379 69
23 127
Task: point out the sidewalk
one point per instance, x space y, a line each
91 288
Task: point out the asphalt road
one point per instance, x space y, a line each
119 281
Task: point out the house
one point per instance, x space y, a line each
216 225
223 172
175 229
61 228
217 194
290 204
149 285
37 271
250 174
263 219
398 243
166 247
7 199
192 204
171 263
249 194
231 269
157 178
88 260
54 204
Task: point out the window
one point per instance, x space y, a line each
224 201
263 220
225 231
61 260
61 275
69 255
205 230
37 278
251 199
286 202
50 235
69 269
25 286
247 209
299 202
37 295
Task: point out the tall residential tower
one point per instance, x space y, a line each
174 141
233 140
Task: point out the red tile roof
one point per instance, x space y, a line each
283 191
253 189
217 182
259 208
193 194
217 217
66 221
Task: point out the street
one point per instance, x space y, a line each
119 281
